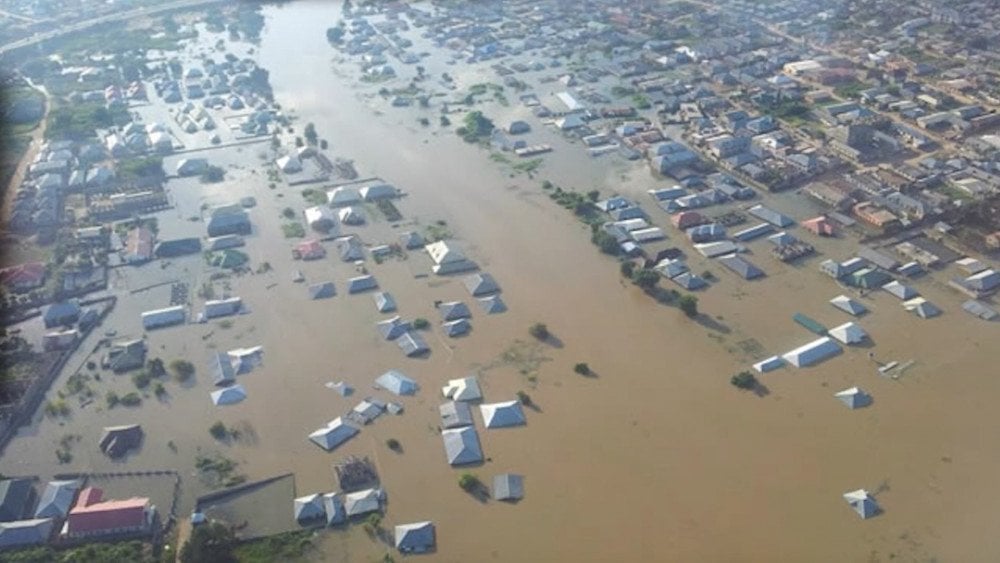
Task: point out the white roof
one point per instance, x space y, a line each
362 502
289 163
461 445
812 353
848 305
317 214
500 415
849 333
442 253
853 397
229 395
464 389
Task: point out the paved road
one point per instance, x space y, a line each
122 16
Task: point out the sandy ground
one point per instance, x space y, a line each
654 457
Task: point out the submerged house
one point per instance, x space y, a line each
463 389
854 398
397 383
415 538
461 445
848 305
813 352
508 486
480 284
336 432
448 259
862 503
502 415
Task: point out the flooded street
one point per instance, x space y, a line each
653 457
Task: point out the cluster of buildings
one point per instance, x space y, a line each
66 512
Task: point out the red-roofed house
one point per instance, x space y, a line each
23 277
92 516
687 219
308 250
819 226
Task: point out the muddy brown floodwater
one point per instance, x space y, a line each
656 456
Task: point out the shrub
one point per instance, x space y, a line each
159 390
445 122
111 399
469 482
131 399
606 242
141 379
593 195
582 369
213 174
218 430
421 323
183 369
645 278
156 368
524 398
627 268
744 380
288 213
689 304
393 444
539 331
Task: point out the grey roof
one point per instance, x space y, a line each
508 486
384 302
848 305
333 505
15 495
501 415
922 307
222 369
350 249
367 410
771 216
229 395
411 240
741 266
901 291
980 310
361 283
57 499
336 432
412 344
309 508
687 280
393 328
397 383
480 284
455 414
25 532
117 440
492 304
368 500
456 328
415 538
322 290
453 310
461 445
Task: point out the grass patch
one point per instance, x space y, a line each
293 230
282 547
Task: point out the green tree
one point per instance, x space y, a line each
627 268
539 331
211 542
645 278
183 369
689 304
582 368
744 380
310 133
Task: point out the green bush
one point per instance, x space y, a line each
645 278
111 399
421 323
689 304
183 369
469 482
582 369
539 331
141 379
393 444
524 398
744 380
218 430
131 399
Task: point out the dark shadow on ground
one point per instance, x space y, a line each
761 390
712 324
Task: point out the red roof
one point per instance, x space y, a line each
686 219
309 249
91 515
820 226
31 273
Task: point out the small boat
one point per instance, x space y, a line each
298 277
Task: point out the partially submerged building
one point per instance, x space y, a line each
397 383
463 389
502 415
415 538
461 446
336 432
448 259
508 486
812 353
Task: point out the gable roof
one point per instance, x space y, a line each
322 290
442 253
417 537
463 389
92 515
854 397
456 327
229 395
461 445
384 302
849 333
361 502
848 305
502 415
741 266
14 497
899 290
309 507
393 328
862 503
333 506
361 283
412 344
453 310
57 499
397 383
25 532
508 486
921 307
480 284
492 305
117 440
455 414
336 432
